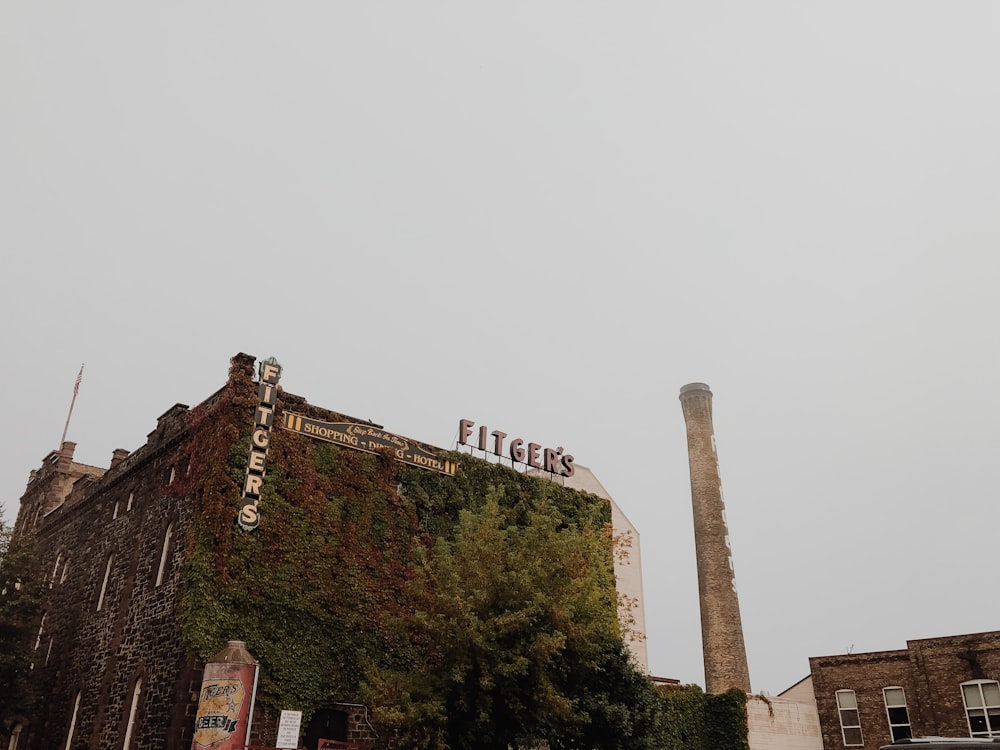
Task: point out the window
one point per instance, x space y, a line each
72 723
104 586
982 707
850 719
173 475
164 554
41 628
895 709
131 714
114 514
65 571
128 505
15 735
55 569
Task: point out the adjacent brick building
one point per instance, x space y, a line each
934 687
110 655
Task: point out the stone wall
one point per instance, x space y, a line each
109 625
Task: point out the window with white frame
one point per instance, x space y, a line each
896 712
164 554
982 707
850 719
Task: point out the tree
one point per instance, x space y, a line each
21 593
517 639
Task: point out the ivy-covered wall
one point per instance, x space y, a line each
694 720
323 591
475 610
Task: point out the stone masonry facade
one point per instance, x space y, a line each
110 662
931 673
108 542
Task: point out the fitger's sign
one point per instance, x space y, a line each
263 418
534 455
367 438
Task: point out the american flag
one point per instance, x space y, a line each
76 385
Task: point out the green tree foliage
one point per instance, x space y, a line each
469 611
21 590
520 641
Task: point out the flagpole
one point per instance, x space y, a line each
76 389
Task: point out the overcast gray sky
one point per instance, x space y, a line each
547 217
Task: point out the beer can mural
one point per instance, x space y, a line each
225 704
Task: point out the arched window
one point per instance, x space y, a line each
41 628
55 569
133 709
104 585
897 713
72 723
15 735
165 553
850 719
982 707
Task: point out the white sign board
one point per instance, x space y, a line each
288 729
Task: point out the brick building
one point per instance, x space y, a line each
934 687
112 662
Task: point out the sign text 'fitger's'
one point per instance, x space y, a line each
534 455
263 419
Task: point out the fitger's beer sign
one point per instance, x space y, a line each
263 419
552 460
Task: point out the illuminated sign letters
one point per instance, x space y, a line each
534 455
263 419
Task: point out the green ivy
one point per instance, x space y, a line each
335 592
694 720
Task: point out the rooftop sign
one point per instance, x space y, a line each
552 460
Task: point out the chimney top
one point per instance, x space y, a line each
692 389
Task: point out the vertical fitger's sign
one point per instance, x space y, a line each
534 455
263 419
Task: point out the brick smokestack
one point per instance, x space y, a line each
721 628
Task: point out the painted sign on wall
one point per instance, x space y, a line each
367 438
225 703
